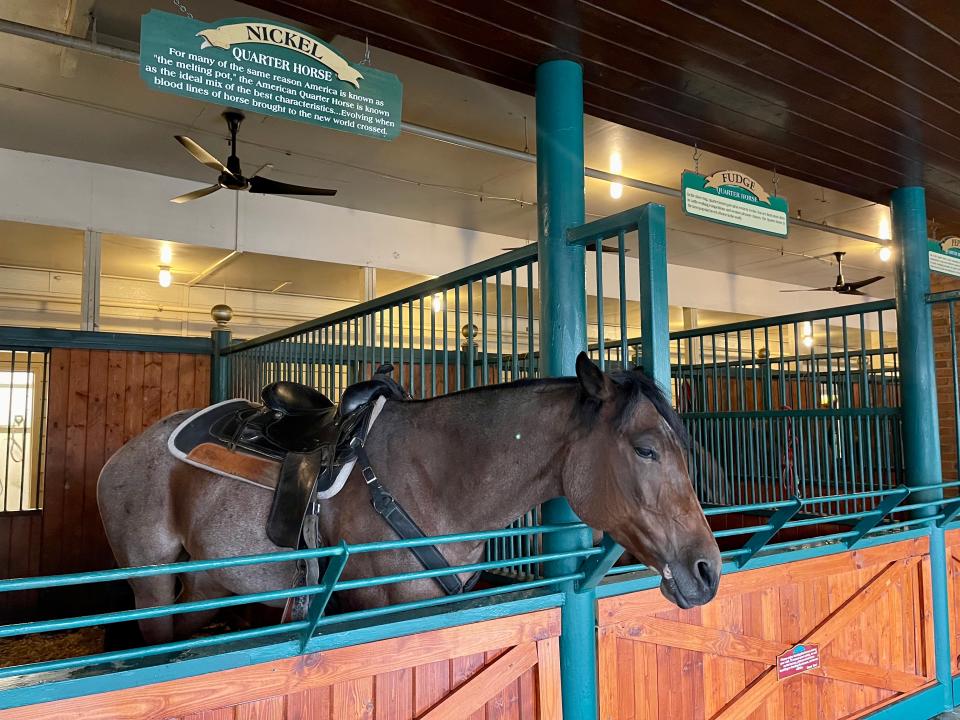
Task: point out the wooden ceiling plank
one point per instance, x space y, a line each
751 57
850 79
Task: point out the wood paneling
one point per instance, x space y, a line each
857 96
431 675
98 400
868 610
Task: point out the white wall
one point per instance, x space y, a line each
69 193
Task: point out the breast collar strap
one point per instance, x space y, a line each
402 524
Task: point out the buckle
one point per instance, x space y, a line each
368 474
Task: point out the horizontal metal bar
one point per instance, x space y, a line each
607 227
501 263
288 556
844 412
862 308
943 297
152 650
46 338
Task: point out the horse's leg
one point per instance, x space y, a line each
196 586
151 592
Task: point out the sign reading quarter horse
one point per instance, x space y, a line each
268 68
732 198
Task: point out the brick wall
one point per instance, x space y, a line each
943 361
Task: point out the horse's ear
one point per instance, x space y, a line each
595 382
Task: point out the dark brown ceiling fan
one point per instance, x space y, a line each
231 176
841 286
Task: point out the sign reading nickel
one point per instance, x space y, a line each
733 198
268 68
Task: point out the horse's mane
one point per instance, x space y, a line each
635 383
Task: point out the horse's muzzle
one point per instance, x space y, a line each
691 581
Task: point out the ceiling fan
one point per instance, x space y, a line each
841 286
231 176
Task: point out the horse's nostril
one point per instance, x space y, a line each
704 571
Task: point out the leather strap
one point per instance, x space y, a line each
401 523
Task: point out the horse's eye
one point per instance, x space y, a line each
646 453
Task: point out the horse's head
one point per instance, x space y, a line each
629 477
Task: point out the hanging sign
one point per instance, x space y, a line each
267 68
945 256
732 198
798 660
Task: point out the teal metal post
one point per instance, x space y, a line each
563 333
921 439
654 304
220 365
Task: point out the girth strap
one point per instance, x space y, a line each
401 523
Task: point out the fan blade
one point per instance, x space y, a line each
273 187
265 168
201 155
187 197
863 283
823 289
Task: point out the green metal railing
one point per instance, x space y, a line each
805 405
336 559
469 328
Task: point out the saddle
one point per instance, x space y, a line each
301 446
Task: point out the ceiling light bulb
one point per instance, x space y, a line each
616 163
886 253
438 302
166 255
884 230
808 341
616 191
164 277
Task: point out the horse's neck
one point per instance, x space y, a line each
478 460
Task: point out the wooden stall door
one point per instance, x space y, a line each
869 611
503 669
97 401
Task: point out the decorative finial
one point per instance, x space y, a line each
221 314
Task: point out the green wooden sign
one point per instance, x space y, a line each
945 257
731 198
268 68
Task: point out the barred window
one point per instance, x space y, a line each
23 389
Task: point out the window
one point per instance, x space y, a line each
23 384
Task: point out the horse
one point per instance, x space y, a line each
611 443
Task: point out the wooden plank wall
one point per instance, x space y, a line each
97 401
503 669
869 610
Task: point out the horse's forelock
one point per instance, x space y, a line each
637 385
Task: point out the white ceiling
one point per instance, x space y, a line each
100 111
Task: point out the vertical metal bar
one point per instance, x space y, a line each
457 336
485 375
219 365
560 196
423 356
921 443
513 319
622 278
598 251
471 338
499 290
531 353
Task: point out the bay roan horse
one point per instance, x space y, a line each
473 460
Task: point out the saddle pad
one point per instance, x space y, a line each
193 443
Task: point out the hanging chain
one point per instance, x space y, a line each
366 51
696 159
776 183
183 8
